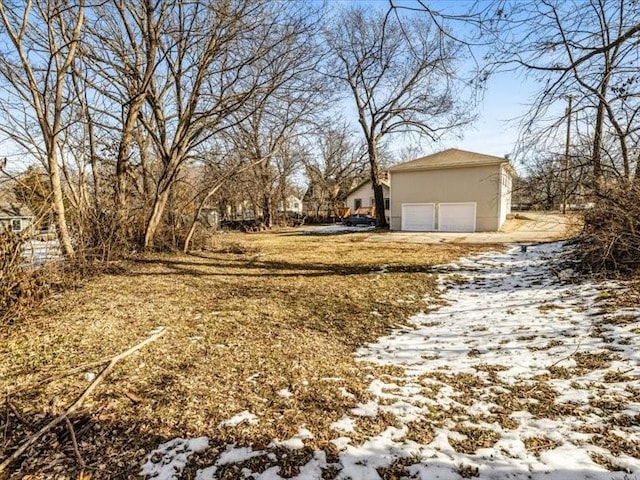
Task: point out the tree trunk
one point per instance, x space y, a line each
94 166
194 221
58 205
597 137
378 192
153 223
381 218
266 210
122 159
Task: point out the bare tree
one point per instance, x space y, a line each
265 139
226 171
124 51
400 76
338 164
544 183
268 126
588 49
42 37
213 66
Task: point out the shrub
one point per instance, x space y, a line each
18 287
610 241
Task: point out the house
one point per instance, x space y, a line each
360 199
15 218
292 204
323 198
451 191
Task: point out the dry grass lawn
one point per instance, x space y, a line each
248 318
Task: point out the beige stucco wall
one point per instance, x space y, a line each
506 188
463 184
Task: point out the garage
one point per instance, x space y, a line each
465 191
418 217
457 217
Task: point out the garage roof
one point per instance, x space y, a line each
14 211
451 158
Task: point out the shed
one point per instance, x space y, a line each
451 191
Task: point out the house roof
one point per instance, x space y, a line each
363 183
452 158
14 211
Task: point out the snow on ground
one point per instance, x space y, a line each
335 228
170 458
38 252
240 418
520 374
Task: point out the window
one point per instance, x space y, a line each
16 225
357 203
386 204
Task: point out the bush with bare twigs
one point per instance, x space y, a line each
101 236
18 287
610 241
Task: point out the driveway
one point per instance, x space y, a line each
525 227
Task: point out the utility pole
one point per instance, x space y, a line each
565 161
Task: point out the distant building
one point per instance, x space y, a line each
361 199
292 204
15 218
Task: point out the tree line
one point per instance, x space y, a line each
140 113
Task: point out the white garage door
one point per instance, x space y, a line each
418 217
457 217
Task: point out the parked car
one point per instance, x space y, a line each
359 220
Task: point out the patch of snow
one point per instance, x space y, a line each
341 442
345 424
337 228
507 323
168 461
369 409
285 393
569 457
297 441
239 418
235 455
346 393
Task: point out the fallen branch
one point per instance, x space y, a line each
16 413
567 357
58 375
74 406
72 434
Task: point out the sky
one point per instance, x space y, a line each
506 98
495 132
496 129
